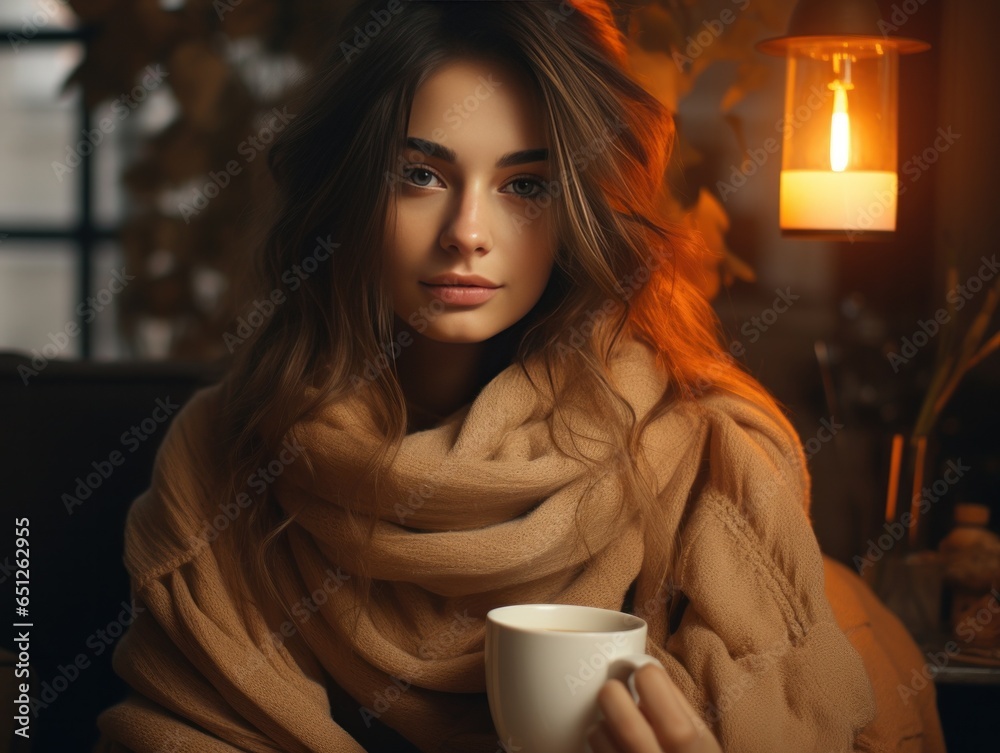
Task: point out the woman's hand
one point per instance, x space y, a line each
662 722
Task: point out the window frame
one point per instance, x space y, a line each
86 233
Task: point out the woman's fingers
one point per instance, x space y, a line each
599 740
627 727
663 721
677 727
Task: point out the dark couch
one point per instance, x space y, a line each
78 443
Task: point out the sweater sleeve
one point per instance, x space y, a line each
227 691
757 650
201 678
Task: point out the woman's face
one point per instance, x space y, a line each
467 195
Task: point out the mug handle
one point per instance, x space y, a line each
617 669
632 662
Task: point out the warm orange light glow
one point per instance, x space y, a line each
894 465
840 129
848 200
838 170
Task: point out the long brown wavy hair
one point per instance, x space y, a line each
610 141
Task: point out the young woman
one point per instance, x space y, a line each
486 377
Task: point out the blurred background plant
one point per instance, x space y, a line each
673 44
956 353
228 63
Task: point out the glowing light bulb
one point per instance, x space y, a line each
840 129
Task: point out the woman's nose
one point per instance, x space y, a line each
467 229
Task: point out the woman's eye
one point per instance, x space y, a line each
417 174
530 183
524 188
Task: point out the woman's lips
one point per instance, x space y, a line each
460 295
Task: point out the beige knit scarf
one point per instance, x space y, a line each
483 510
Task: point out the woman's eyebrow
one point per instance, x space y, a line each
440 151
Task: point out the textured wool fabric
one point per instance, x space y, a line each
481 511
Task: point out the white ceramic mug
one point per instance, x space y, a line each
545 664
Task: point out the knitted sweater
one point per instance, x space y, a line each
483 510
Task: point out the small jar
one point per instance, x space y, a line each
971 554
